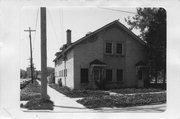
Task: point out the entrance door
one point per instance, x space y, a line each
140 78
97 75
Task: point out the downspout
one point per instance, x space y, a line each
64 69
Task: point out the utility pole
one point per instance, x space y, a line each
31 59
43 55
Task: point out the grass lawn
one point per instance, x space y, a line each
101 98
32 94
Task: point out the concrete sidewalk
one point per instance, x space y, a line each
63 103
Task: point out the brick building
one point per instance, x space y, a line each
110 57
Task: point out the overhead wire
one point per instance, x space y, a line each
52 24
61 23
117 10
37 16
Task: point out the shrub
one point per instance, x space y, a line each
24 83
123 100
39 104
32 90
136 90
78 93
29 96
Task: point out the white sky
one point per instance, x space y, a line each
79 20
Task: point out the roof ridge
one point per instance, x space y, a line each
101 28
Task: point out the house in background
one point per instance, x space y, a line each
50 75
51 78
110 57
28 70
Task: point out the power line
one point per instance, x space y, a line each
117 10
52 24
36 27
61 24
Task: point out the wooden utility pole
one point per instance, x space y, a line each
43 55
31 59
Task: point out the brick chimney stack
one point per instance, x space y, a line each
68 32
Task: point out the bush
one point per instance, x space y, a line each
32 90
24 83
123 100
136 90
29 96
39 104
78 93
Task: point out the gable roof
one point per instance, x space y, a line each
141 63
98 30
97 62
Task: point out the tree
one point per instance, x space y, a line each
152 25
23 74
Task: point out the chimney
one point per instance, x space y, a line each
68 32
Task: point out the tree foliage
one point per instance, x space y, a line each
152 25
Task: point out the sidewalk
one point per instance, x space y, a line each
63 103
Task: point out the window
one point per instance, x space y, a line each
84 75
109 48
55 63
108 74
140 74
60 73
65 72
119 74
119 48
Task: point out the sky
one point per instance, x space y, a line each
59 19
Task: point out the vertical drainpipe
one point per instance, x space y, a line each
64 69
